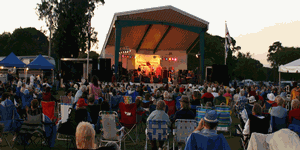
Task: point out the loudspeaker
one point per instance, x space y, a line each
179 73
209 74
136 80
155 80
220 74
147 80
95 64
165 74
165 80
105 64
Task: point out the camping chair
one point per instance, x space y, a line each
157 130
256 125
241 105
295 128
184 127
65 111
26 100
68 129
129 118
171 107
223 118
11 121
295 121
177 102
110 128
201 111
278 123
48 109
37 129
197 141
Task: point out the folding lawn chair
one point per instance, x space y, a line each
157 130
129 118
224 118
65 110
110 128
278 123
48 109
201 111
184 127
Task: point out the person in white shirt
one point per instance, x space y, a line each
79 93
32 79
214 93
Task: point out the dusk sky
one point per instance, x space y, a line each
255 24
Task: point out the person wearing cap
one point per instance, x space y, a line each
185 111
271 101
208 125
81 107
247 110
279 111
220 100
214 92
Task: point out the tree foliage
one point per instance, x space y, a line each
24 42
69 21
93 55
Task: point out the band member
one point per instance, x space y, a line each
158 71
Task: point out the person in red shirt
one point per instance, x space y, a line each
181 90
207 96
295 112
252 92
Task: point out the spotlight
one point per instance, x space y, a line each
175 59
170 58
122 56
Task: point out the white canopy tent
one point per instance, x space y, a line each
292 67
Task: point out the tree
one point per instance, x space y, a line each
93 55
69 21
24 42
4 39
273 56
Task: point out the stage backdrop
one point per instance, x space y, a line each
180 64
141 59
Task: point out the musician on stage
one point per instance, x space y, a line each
158 71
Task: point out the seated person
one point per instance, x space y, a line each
247 110
159 114
47 96
93 109
260 123
207 97
115 100
104 106
279 111
220 100
34 108
81 113
270 103
185 111
85 136
295 112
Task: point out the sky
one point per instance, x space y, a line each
255 25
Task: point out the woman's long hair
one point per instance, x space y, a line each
95 80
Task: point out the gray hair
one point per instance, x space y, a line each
161 105
166 95
280 100
295 103
209 90
242 92
85 136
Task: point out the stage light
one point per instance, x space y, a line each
166 58
170 58
175 59
122 56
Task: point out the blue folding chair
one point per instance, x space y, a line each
278 123
177 102
26 100
295 128
184 127
200 142
224 118
157 130
295 121
201 111
11 120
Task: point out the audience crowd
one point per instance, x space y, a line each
165 102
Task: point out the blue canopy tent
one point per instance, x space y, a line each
12 61
41 63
